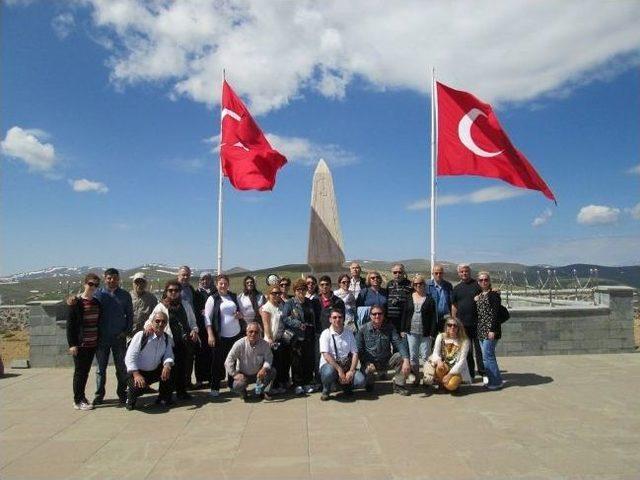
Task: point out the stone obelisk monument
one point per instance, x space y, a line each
326 251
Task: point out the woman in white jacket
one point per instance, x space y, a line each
447 365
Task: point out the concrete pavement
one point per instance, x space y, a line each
558 417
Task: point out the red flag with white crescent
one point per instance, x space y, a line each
471 141
248 160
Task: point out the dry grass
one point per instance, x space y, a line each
14 344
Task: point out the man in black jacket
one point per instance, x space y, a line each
398 290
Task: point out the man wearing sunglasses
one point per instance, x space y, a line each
374 341
149 359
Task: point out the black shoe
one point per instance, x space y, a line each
98 400
325 396
369 387
183 396
244 395
122 400
400 390
130 405
348 392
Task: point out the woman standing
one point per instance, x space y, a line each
447 365
489 330
82 336
297 314
271 313
222 321
344 294
419 323
250 301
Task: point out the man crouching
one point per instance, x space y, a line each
149 359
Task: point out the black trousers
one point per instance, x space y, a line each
82 365
282 365
178 375
303 360
218 356
150 376
202 353
474 357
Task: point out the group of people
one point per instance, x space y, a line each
302 335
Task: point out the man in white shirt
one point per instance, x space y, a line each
339 358
149 359
249 360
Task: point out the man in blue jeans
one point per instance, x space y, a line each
338 357
115 324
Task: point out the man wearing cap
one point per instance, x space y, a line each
143 301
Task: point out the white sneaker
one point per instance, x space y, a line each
485 380
214 393
309 389
83 406
299 390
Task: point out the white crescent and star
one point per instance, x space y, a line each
464 133
235 116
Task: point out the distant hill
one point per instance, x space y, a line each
56 282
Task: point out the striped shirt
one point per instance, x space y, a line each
90 314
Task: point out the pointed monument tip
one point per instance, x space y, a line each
322 165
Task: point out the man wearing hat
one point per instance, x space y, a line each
143 301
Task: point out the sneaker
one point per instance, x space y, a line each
309 389
83 405
214 393
299 390
485 380
400 390
325 396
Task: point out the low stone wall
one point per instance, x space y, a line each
14 317
606 327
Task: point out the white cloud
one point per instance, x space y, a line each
63 24
27 145
272 55
598 215
634 170
489 194
301 150
84 185
635 211
542 218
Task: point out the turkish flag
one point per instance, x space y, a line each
471 141
248 160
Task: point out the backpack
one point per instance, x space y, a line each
503 314
145 340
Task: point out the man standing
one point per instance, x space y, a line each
398 290
149 359
202 351
440 290
374 341
338 358
188 295
463 307
327 302
249 360
116 323
143 301
356 282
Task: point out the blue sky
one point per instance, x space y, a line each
109 107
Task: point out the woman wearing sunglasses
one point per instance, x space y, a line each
489 330
344 294
447 365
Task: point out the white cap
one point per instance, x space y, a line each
139 275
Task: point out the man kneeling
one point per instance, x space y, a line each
338 357
149 359
249 361
375 339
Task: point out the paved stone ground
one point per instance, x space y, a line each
558 417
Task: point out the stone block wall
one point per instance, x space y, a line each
48 336
14 317
606 327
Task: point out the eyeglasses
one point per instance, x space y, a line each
417 284
452 325
93 284
170 290
375 278
344 281
483 280
438 273
284 285
398 272
375 314
160 322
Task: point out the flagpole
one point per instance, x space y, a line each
220 176
433 166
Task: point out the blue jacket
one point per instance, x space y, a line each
443 306
116 314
